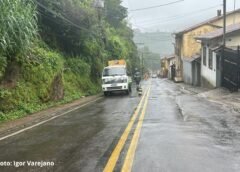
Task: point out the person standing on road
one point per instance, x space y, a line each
137 78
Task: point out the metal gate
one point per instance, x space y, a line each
231 69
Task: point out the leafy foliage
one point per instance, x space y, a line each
3 65
75 41
68 23
115 13
92 34
18 26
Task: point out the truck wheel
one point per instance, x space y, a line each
127 92
105 93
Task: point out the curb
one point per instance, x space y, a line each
183 89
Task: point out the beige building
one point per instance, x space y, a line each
166 64
187 48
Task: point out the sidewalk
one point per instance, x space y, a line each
192 89
224 97
218 95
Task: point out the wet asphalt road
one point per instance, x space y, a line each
178 132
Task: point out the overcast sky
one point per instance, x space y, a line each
172 17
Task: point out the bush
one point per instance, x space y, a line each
18 26
3 65
77 80
77 66
33 90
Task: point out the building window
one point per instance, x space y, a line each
204 55
210 59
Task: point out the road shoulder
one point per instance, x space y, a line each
9 127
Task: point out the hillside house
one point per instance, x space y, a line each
167 63
211 63
187 48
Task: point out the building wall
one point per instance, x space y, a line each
190 45
178 49
186 45
230 19
196 73
233 39
164 68
212 77
187 72
209 76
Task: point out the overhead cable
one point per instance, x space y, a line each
157 6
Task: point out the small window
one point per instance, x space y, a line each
210 59
204 55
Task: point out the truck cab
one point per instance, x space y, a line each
115 78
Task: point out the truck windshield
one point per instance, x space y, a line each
114 71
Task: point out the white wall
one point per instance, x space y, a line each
209 74
187 72
233 39
230 19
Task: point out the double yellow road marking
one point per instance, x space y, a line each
127 166
132 148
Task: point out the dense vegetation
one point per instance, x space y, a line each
53 51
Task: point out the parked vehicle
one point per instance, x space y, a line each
154 75
115 78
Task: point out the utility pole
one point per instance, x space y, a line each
141 56
234 20
224 41
142 63
99 5
224 23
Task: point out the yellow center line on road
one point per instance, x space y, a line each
128 162
116 152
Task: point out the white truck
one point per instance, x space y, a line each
115 78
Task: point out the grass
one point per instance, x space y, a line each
33 88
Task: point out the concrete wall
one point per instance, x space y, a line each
187 46
233 39
196 73
230 19
212 77
187 72
178 53
209 76
190 46
192 72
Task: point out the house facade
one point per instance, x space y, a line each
187 48
211 61
166 65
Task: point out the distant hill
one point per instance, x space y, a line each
158 42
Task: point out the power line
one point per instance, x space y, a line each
157 6
55 21
158 39
165 21
180 16
63 18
